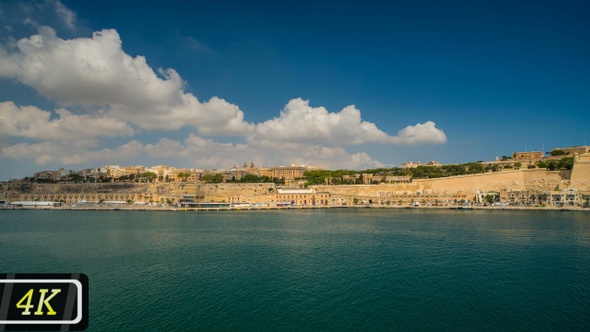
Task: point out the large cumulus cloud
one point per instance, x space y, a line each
32 122
299 122
96 71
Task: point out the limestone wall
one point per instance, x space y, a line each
243 191
581 172
12 191
527 179
466 185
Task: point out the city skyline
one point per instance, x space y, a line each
214 83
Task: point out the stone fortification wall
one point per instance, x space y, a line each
466 185
220 191
12 191
527 179
581 172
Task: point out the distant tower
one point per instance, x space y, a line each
235 168
252 165
245 165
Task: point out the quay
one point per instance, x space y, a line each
291 208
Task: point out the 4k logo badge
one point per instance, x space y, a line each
43 302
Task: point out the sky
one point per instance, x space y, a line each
339 85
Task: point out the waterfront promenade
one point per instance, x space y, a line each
285 208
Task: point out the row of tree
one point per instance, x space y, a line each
317 177
565 163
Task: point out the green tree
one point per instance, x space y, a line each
566 163
250 178
475 168
315 177
183 176
76 178
149 176
212 178
557 152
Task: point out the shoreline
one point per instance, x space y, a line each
257 208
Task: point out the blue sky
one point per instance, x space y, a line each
347 85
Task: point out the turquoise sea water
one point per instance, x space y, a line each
337 269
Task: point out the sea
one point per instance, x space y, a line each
314 270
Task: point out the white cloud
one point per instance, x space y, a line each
200 152
91 70
205 153
299 122
330 157
32 122
96 71
45 152
421 133
8 64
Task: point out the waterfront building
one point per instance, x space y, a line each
96 197
481 197
298 196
